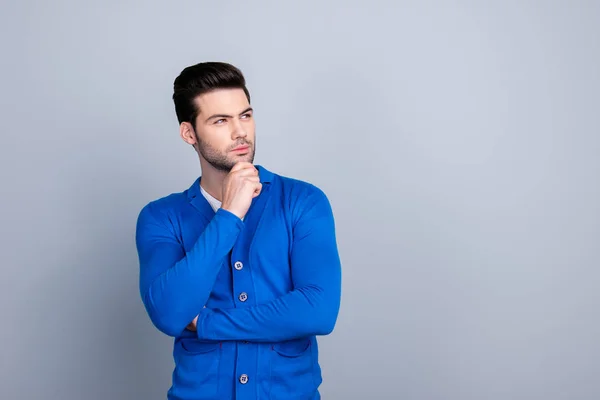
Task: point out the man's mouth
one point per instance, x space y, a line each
243 147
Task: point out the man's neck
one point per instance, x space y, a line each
212 180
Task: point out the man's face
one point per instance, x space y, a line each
225 128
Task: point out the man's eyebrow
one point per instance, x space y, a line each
249 109
218 116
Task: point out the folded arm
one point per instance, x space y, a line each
175 284
311 308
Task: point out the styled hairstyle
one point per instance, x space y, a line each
202 78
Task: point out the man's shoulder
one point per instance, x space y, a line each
298 188
302 197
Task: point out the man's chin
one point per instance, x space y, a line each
249 158
231 162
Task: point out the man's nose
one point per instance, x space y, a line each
238 130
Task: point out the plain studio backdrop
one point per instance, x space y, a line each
457 141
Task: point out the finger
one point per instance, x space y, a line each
248 166
241 165
246 172
257 190
236 167
244 165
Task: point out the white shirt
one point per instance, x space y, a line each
214 203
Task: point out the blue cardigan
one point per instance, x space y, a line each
263 288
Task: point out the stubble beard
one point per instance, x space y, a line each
220 160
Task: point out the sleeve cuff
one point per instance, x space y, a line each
229 216
203 325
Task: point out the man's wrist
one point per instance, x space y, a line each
230 213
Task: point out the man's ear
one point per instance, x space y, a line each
186 131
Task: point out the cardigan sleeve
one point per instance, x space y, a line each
174 283
311 308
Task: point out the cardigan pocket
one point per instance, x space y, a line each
197 368
292 370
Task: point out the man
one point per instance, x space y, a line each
242 268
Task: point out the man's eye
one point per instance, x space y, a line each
219 121
246 116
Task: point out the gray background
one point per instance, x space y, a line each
458 143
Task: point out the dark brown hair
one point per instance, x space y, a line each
202 78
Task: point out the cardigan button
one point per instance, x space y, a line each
243 379
238 265
243 296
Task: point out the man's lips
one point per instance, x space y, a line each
241 148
